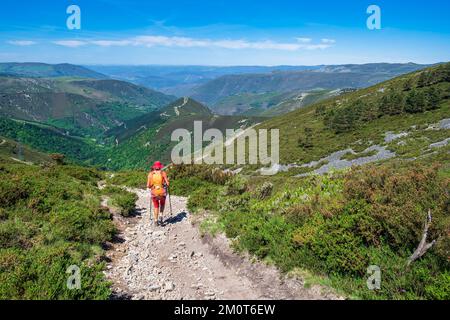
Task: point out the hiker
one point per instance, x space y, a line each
157 182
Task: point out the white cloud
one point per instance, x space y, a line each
108 43
22 43
150 41
70 43
258 45
304 40
186 42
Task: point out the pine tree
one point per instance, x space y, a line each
408 84
423 79
392 103
321 110
305 141
416 102
433 96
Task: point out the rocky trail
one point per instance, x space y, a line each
175 262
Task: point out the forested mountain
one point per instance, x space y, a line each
253 90
221 93
82 107
410 105
148 138
179 80
44 70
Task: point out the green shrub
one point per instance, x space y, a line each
41 274
130 178
184 186
232 203
80 173
205 197
236 185
339 225
439 289
11 191
50 219
207 173
400 199
264 191
126 202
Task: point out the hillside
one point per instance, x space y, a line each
220 93
180 80
51 217
388 69
272 103
405 116
12 151
127 92
362 174
148 138
43 70
318 224
297 100
49 139
82 107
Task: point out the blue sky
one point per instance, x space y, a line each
217 32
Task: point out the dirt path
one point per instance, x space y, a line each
175 262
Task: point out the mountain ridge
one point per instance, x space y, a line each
45 70
80 106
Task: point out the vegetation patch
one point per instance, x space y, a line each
349 156
123 200
338 225
50 219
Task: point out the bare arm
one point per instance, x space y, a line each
149 180
166 180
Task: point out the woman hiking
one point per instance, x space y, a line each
157 182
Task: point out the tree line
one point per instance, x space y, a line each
415 95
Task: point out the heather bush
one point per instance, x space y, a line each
340 224
51 218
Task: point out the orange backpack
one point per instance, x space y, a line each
157 183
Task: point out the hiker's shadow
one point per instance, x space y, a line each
175 219
137 212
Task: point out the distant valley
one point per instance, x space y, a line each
256 90
116 124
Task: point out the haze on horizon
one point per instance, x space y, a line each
224 33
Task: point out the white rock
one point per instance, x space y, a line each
154 287
169 286
158 233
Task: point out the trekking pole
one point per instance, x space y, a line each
161 216
170 201
150 209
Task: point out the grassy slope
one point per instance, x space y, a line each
148 138
83 107
50 219
50 140
335 226
154 143
356 76
325 140
339 224
40 70
289 105
11 150
269 104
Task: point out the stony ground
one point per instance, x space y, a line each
175 262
